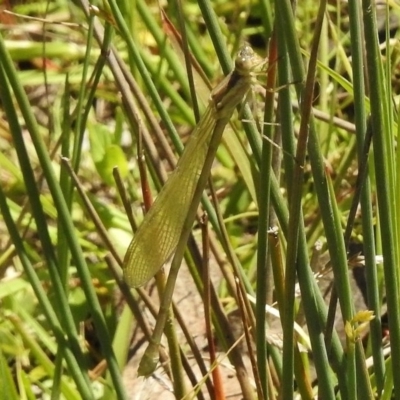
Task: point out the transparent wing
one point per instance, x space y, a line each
158 235
160 231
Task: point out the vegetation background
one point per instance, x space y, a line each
302 210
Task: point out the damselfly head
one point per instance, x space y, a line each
248 61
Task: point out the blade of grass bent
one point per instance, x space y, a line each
159 233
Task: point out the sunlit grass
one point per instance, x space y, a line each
102 92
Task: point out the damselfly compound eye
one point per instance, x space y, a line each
245 58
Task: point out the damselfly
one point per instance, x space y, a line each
158 235
175 207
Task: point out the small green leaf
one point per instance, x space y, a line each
113 157
8 388
100 139
106 155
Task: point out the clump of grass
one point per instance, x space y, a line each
304 174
